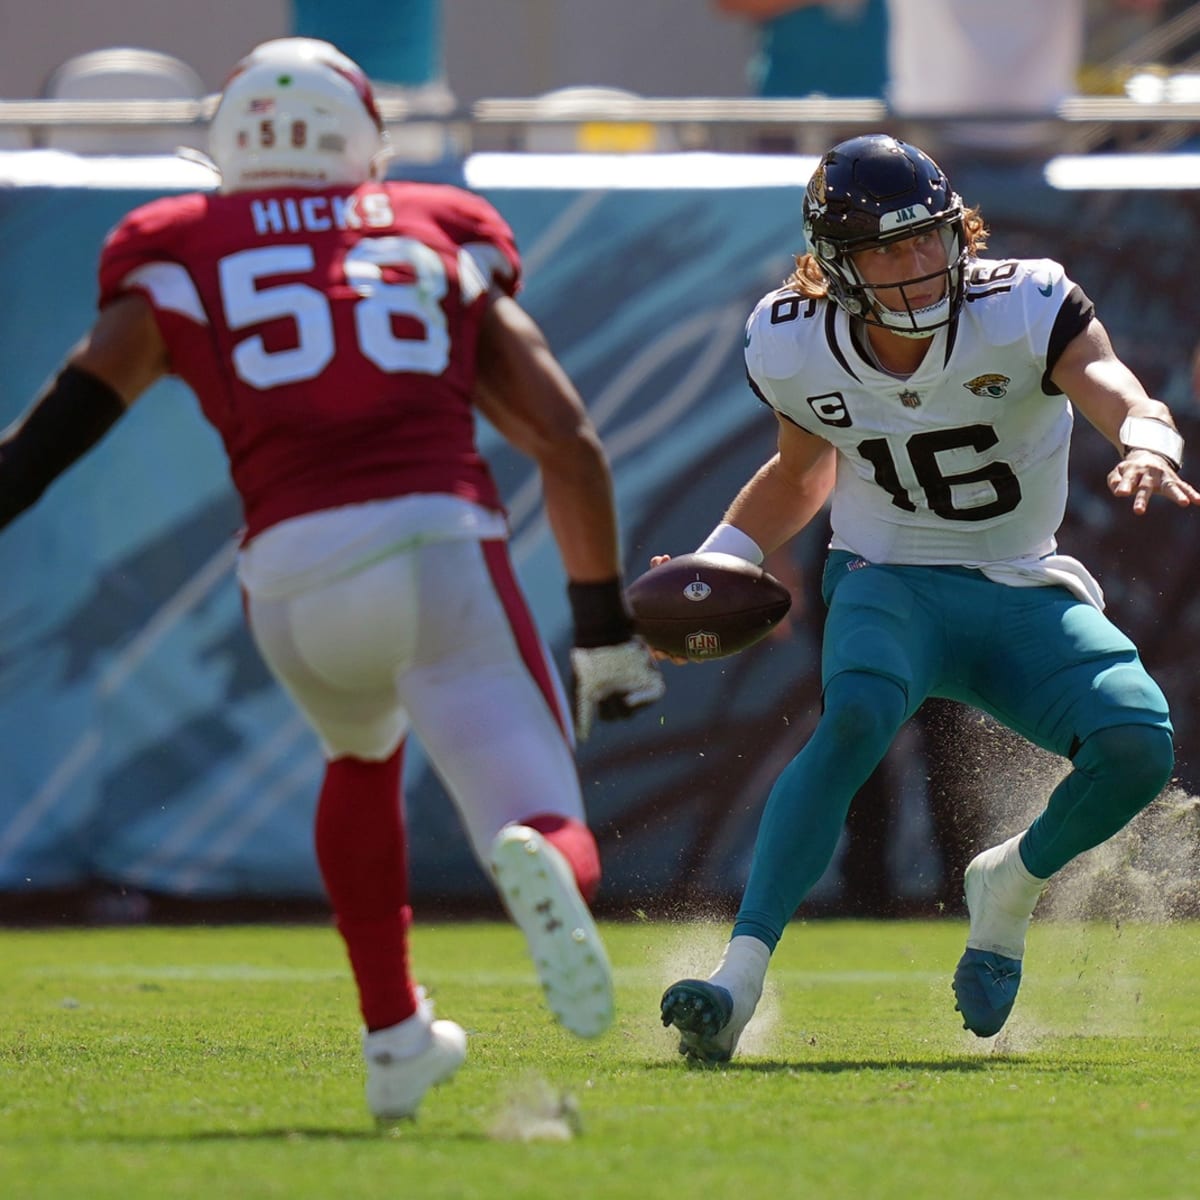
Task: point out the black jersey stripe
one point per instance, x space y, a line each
1073 318
831 339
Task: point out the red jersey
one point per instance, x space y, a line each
330 336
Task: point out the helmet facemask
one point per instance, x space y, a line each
861 299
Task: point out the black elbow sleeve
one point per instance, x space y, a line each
65 422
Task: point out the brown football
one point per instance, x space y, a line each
708 605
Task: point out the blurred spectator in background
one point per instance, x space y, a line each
399 45
1015 60
826 47
397 42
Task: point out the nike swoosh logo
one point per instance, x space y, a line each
1047 289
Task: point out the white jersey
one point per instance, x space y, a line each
964 461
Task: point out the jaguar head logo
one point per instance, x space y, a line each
990 387
817 186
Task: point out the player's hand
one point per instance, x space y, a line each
1142 474
613 682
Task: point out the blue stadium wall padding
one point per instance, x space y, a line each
141 740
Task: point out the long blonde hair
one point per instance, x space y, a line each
810 281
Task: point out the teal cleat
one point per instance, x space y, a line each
1001 895
985 987
703 1014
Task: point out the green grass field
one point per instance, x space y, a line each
161 1063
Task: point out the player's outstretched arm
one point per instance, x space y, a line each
785 493
779 500
525 393
1112 398
118 359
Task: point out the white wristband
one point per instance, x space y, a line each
728 539
1147 433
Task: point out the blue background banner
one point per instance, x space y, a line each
144 745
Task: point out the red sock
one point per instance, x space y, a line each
362 854
574 841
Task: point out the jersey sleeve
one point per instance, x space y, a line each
142 238
1045 292
758 329
481 231
1034 303
773 354
1056 310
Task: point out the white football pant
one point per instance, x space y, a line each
436 637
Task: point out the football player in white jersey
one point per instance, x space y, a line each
931 391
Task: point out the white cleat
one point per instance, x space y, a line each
539 891
398 1077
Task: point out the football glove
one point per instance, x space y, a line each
613 682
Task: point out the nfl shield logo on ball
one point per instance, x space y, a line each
702 644
697 590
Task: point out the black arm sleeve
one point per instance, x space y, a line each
65 422
1073 318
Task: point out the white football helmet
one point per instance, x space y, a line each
295 112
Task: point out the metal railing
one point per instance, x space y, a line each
718 123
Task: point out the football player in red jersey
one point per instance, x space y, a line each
339 333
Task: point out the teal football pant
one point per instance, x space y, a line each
1048 666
